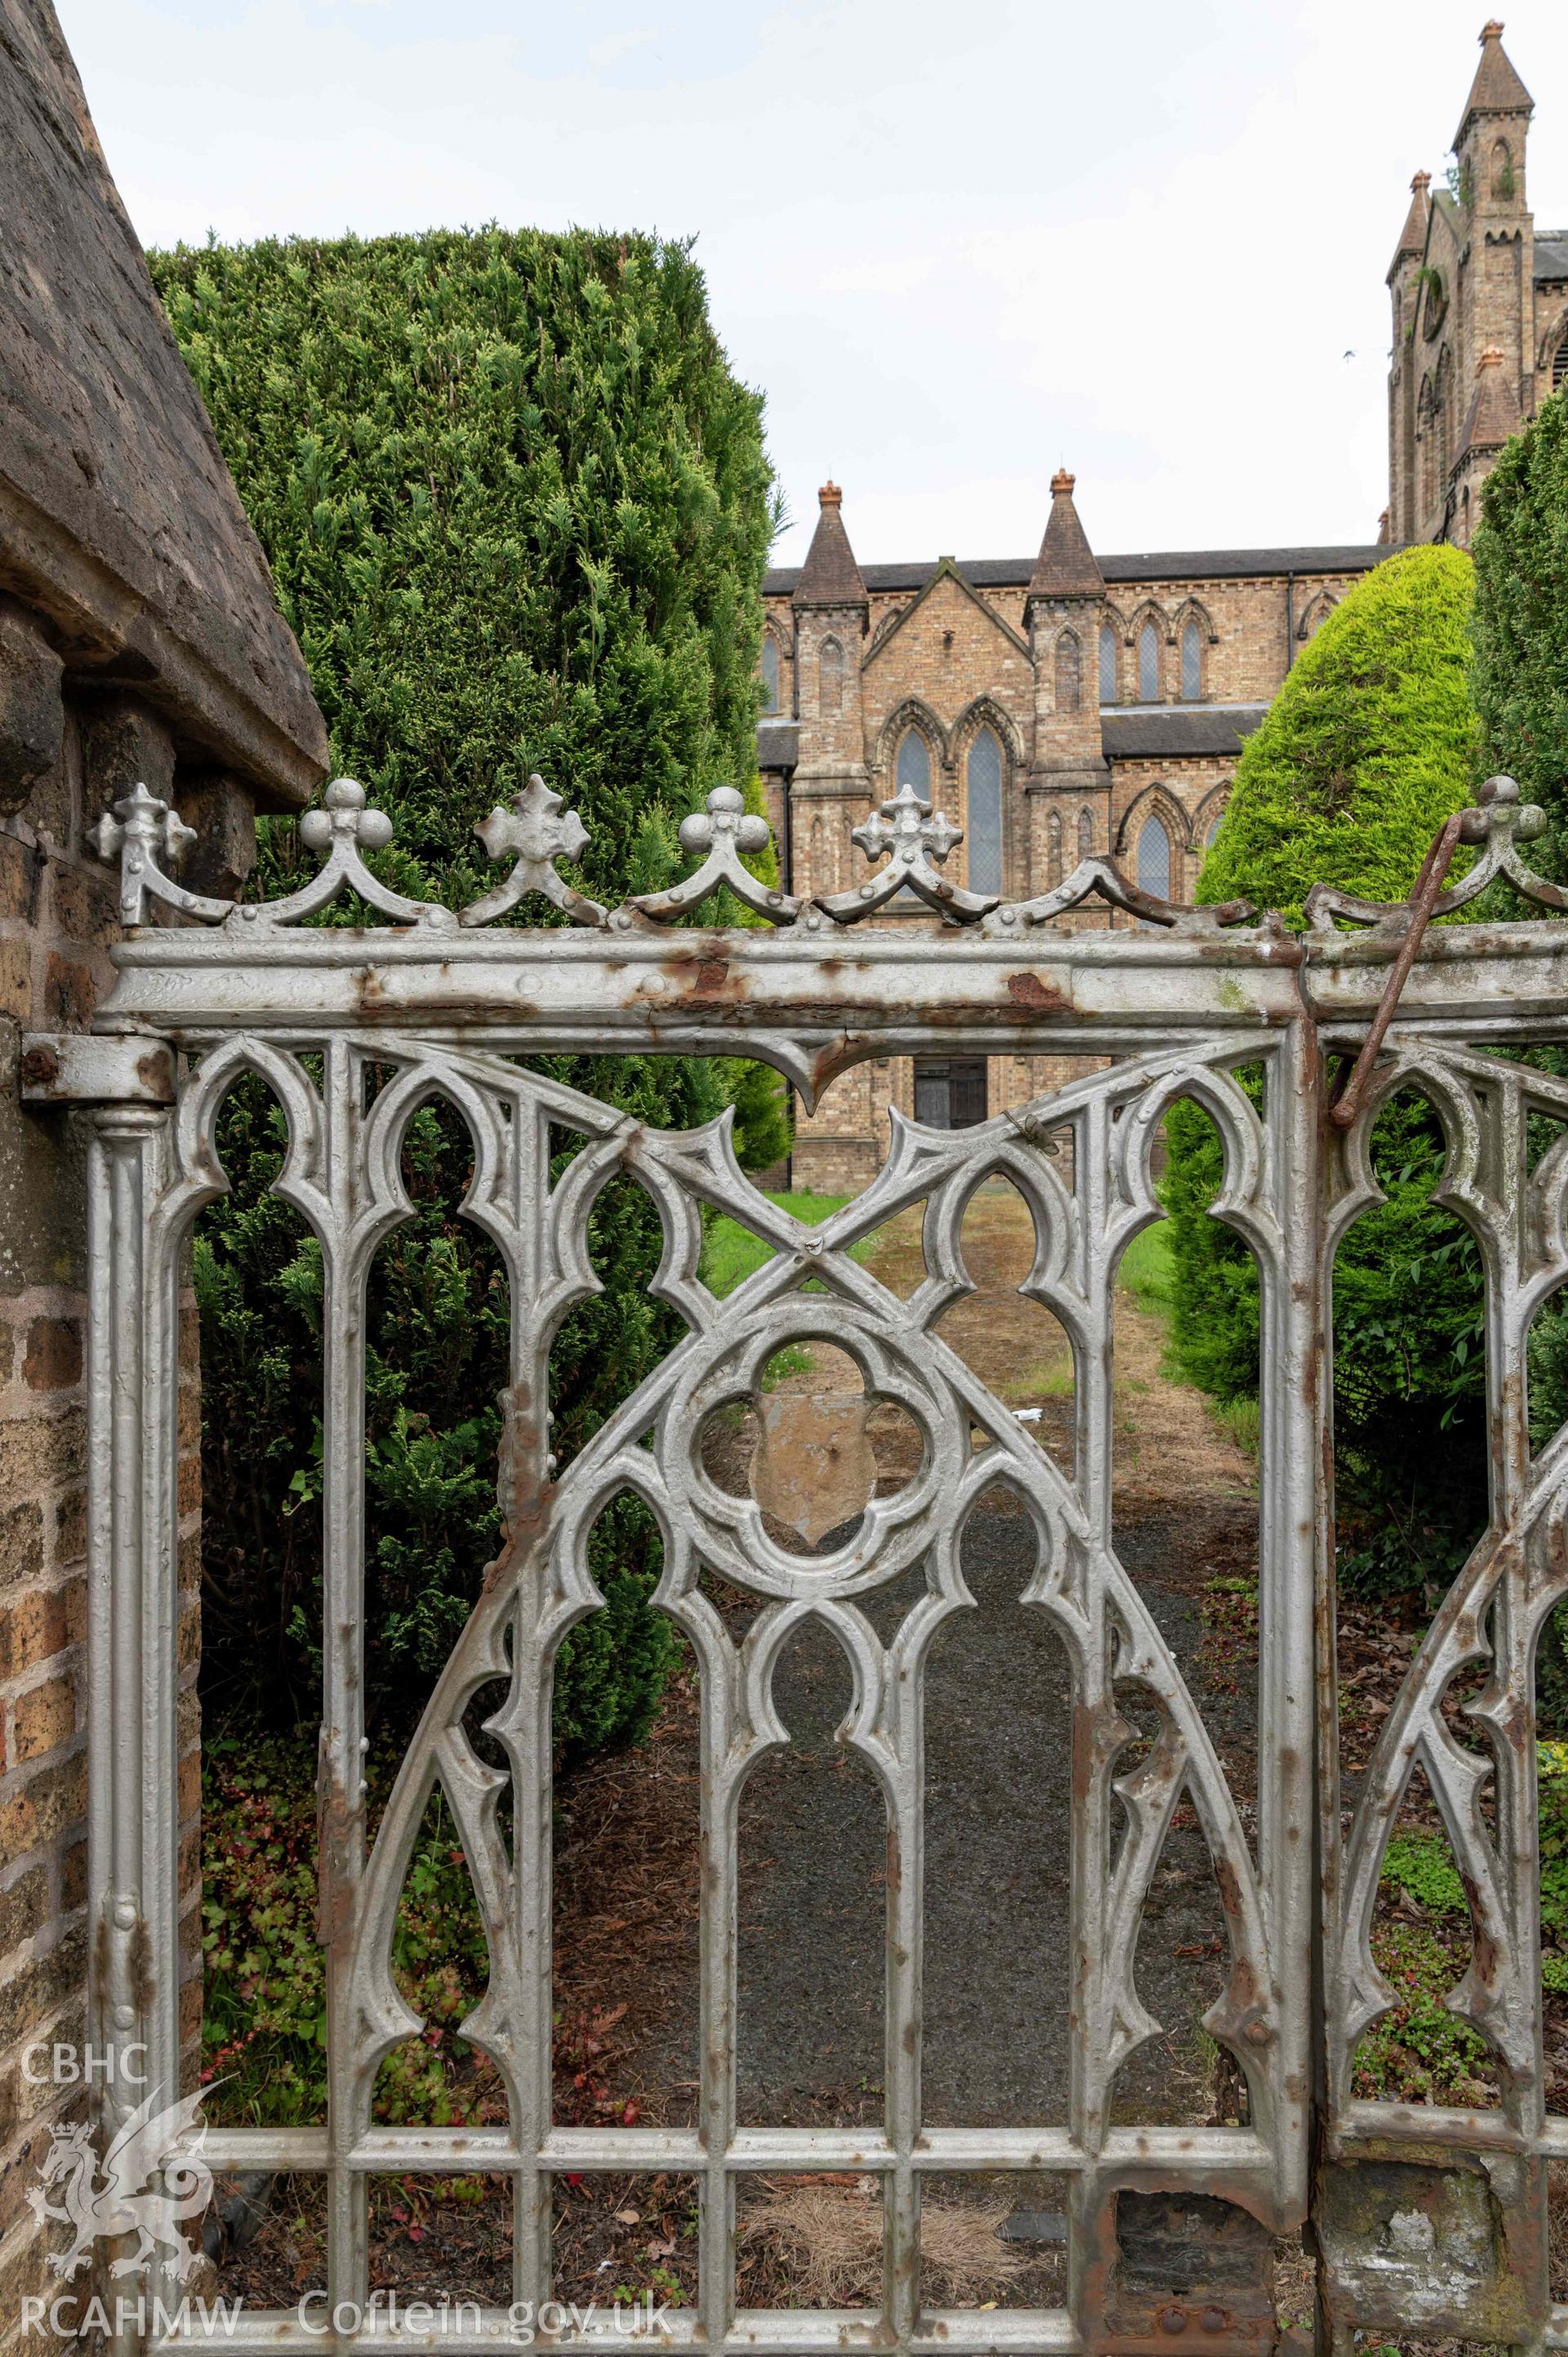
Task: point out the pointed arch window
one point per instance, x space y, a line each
1086 834
1560 366
1069 672
830 677
1154 858
1191 662
913 766
770 671
983 827
1148 664
1053 850
1502 169
1107 663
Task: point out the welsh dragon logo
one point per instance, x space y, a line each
112 2198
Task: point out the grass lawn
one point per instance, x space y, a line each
731 1253
1146 1267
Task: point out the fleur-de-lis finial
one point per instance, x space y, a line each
137 830
536 832
723 831
907 830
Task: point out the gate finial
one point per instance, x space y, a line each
906 828
724 831
537 829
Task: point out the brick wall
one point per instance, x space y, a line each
56 921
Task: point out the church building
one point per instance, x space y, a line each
1075 703
1480 298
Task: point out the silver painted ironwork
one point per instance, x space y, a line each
443 1009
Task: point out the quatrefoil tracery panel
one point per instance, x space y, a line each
343 1175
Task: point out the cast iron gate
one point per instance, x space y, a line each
1426 2222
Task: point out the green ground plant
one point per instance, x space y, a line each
517 508
264 2009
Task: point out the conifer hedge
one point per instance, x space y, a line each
1520 681
518 511
1520 673
1367 747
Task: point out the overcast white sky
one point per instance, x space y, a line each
954 245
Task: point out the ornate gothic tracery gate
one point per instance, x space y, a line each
1427 2220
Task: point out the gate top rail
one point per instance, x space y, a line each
997 978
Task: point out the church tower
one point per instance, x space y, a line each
831 791
1465 287
1404 296
1063 613
1500 262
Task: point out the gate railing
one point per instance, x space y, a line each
1425 2219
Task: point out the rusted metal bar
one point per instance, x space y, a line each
1422 900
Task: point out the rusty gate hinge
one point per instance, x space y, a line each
1422 900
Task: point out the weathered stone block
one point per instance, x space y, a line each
16 980
222 812
1407 2247
45 1718
32 712
124 743
53 1359
21 1542
56 1796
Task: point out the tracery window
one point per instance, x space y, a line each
984 828
769 672
913 766
830 676
1191 662
1148 664
1154 858
1069 669
1108 657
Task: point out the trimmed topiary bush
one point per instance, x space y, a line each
1367 747
518 511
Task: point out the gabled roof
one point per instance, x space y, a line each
1497 89
1550 256
1065 567
944 570
118 518
1143 564
830 577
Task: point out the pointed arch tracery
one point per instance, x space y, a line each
910 713
1314 613
1156 800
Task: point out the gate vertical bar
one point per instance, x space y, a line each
132 1378
1293 1377
341 1774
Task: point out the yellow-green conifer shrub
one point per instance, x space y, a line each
1367 747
